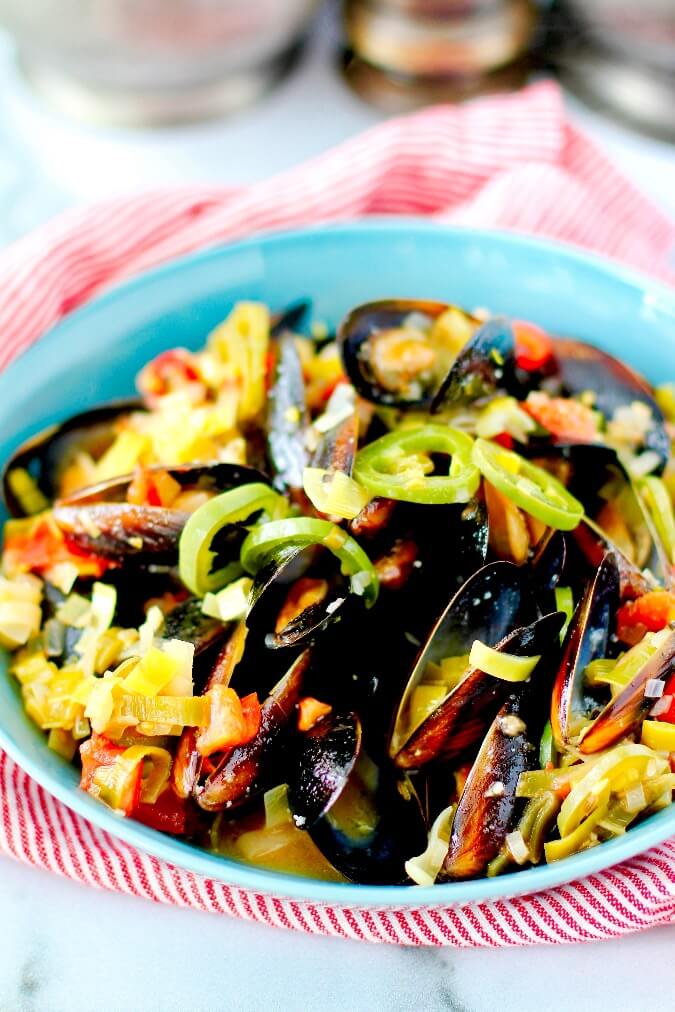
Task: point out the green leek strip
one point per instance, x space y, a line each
266 541
564 601
396 466
156 768
187 711
236 507
654 493
25 489
620 767
334 492
530 487
571 842
508 667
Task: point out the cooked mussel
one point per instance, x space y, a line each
123 531
365 819
210 476
287 417
489 606
98 520
397 351
485 363
487 808
623 714
248 770
581 367
46 455
588 638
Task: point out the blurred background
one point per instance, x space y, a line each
100 97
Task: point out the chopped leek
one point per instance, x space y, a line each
334 492
231 603
508 667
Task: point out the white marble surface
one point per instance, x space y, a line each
64 948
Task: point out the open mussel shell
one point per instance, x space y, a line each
489 606
248 770
362 335
46 454
581 367
273 589
588 638
287 416
630 706
121 531
488 806
614 509
209 476
365 819
99 521
485 363
486 810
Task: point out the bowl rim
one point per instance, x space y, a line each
236 874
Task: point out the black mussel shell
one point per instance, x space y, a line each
628 708
188 622
274 582
47 453
211 476
588 638
356 334
245 772
289 320
489 606
581 367
121 531
485 363
487 809
287 417
365 819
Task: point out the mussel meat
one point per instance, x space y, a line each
582 367
397 351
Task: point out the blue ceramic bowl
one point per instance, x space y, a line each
95 353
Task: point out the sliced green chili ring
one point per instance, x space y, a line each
238 505
396 466
266 541
528 486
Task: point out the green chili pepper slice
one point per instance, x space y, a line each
266 541
528 486
398 466
231 509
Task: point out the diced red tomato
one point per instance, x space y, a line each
169 814
534 347
233 721
505 440
669 714
310 712
166 373
153 488
563 417
35 546
649 613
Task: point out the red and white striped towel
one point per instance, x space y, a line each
510 162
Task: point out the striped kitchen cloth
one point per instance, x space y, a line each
510 162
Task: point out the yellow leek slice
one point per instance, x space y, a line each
508 667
